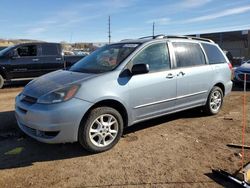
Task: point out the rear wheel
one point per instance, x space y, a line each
214 101
101 130
1 81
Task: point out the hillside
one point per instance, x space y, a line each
9 42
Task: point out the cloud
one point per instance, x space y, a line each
36 30
224 13
159 21
176 7
74 15
193 3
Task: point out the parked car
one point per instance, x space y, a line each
121 84
240 72
2 47
237 61
68 52
229 56
29 60
80 52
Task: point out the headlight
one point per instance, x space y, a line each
60 95
21 96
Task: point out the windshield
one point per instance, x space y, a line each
2 52
104 59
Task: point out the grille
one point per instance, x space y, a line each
241 76
29 130
41 134
22 110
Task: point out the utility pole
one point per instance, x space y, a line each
153 29
109 36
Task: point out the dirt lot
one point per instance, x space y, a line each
173 151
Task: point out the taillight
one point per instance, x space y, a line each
230 66
232 72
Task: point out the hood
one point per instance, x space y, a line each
53 81
244 68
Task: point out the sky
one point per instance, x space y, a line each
87 20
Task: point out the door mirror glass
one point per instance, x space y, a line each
140 69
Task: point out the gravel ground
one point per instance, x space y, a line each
172 151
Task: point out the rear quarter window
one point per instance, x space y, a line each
214 55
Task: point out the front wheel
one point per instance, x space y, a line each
101 130
214 101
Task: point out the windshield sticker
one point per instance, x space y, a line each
130 45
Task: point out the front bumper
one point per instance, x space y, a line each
53 123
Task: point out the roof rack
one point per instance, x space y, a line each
202 39
161 36
177 37
189 37
125 40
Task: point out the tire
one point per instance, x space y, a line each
1 81
95 135
214 101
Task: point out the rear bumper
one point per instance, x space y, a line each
55 123
228 87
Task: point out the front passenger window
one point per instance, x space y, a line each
155 55
29 50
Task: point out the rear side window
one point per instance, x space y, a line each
50 49
214 55
188 54
29 50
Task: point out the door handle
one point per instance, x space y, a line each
181 73
58 59
170 75
35 59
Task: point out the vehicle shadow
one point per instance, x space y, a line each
7 121
192 113
19 150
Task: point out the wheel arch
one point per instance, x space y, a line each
113 104
221 86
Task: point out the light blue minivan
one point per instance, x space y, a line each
121 84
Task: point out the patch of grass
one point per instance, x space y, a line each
14 151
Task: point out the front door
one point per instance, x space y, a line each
25 63
153 93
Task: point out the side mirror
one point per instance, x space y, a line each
13 54
140 69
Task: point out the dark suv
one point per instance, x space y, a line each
29 60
